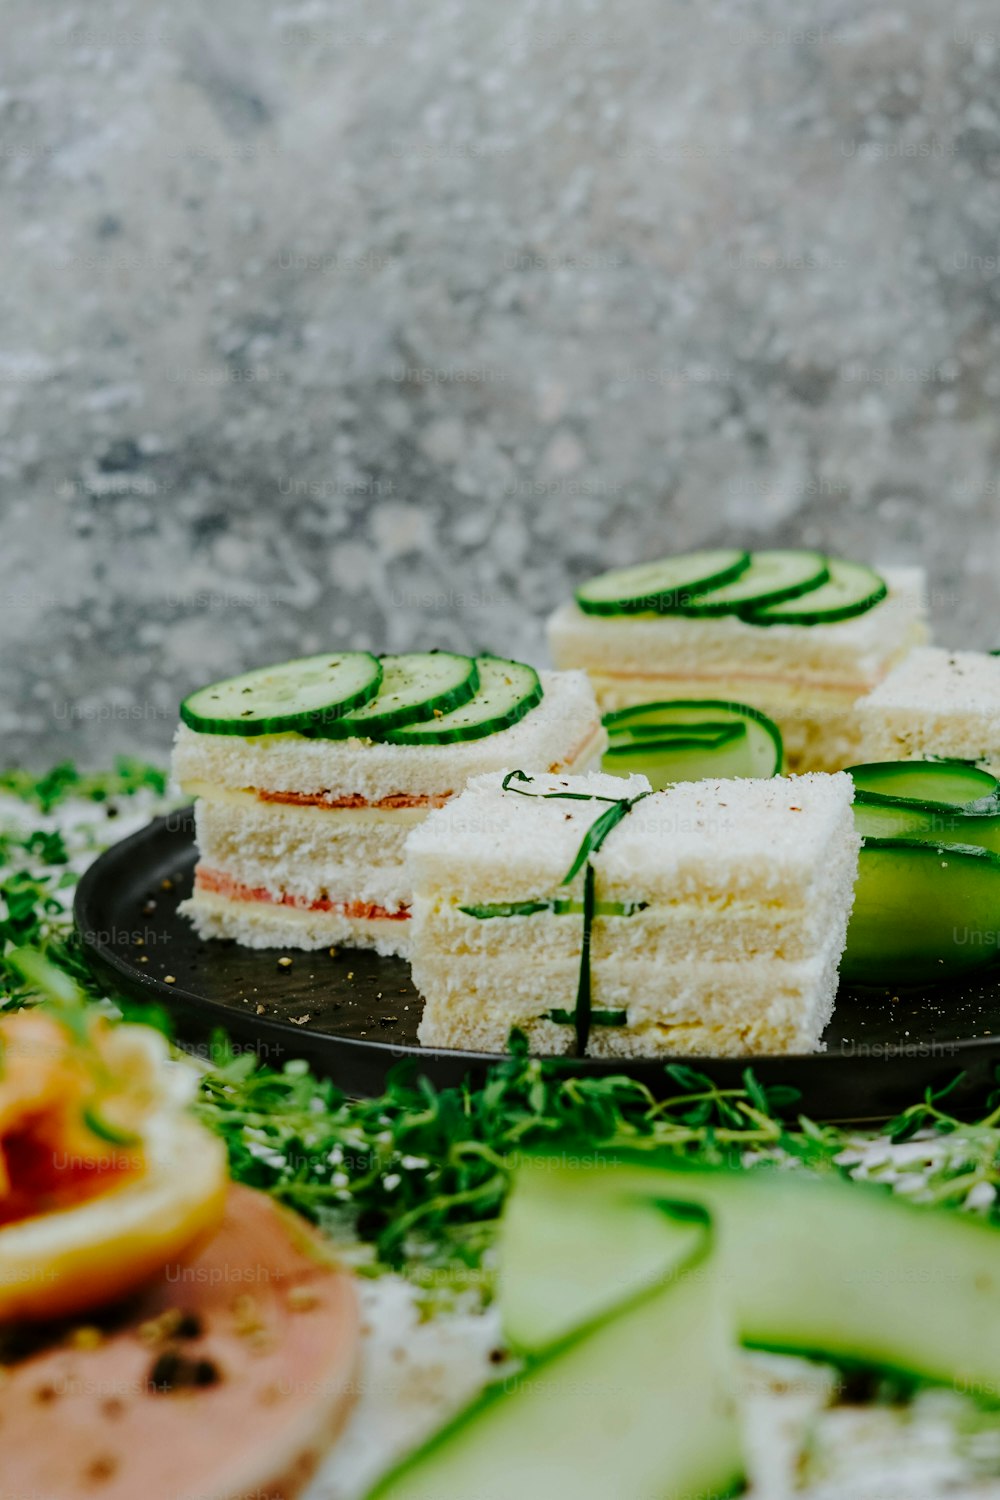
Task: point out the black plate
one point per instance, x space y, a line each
353 1016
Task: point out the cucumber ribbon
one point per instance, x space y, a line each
636 1397
583 1015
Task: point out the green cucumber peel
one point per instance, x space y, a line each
507 691
105 1131
648 743
288 697
506 909
711 732
416 687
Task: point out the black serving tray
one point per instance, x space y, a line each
354 1016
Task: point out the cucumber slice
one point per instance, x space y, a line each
811 1266
291 696
507 691
560 907
682 740
935 783
415 686
851 589
666 761
922 913
892 818
708 732
638 1403
660 586
771 578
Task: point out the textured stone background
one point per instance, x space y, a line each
381 323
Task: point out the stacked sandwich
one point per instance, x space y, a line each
594 915
935 703
309 776
797 635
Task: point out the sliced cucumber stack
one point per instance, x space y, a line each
851 589
660 586
507 691
298 696
781 587
923 913
415 686
689 739
771 578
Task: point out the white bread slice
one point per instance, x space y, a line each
936 702
719 1009
764 839
494 845
307 852
563 731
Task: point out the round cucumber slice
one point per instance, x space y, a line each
690 739
660 586
291 696
507 691
771 578
415 686
851 589
922 913
948 783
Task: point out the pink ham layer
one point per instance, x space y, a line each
221 884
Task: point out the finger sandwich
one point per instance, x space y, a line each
935 703
807 677
301 840
715 918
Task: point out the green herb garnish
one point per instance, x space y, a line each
65 781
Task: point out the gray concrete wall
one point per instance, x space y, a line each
382 323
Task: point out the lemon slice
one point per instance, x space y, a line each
58 1264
